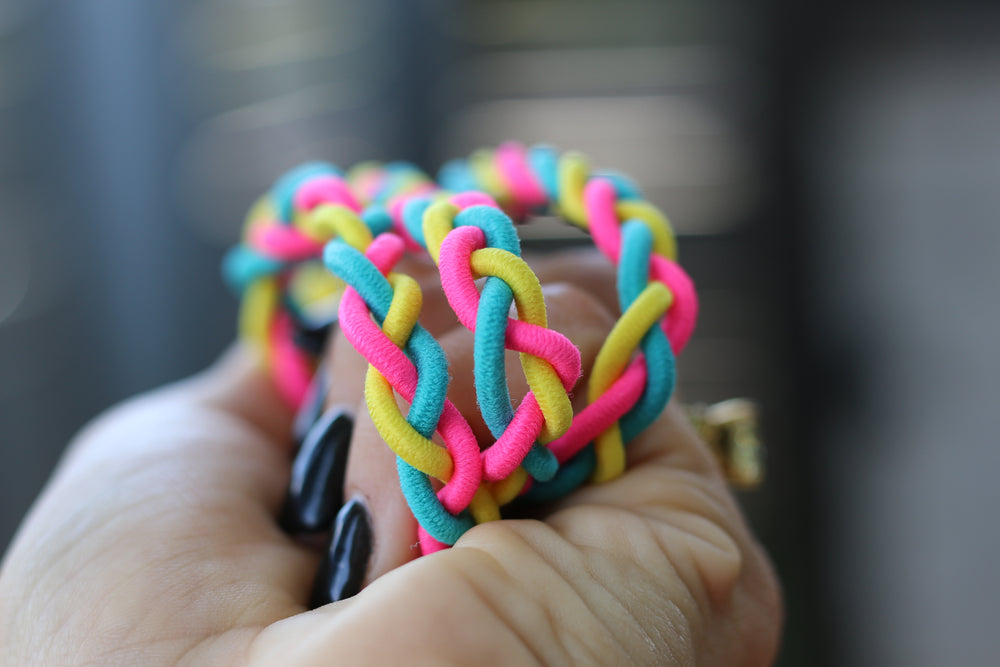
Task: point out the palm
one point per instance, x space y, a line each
156 542
163 518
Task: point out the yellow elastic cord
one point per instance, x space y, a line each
484 167
508 488
664 242
329 220
312 283
420 452
621 343
423 454
573 172
483 506
439 219
260 302
261 213
542 378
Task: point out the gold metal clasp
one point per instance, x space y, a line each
730 428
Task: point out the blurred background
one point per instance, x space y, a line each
834 175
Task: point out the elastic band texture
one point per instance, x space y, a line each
323 246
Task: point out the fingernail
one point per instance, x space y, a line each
343 570
316 488
311 334
312 407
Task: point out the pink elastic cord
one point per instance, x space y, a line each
395 209
512 163
683 313
464 200
458 284
428 544
393 363
325 190
385 251
599 200
368 339
291 368
284 243
459 288
368 184
504 456
602 413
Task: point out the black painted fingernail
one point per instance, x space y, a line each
312 407
343 569
311 334
316 487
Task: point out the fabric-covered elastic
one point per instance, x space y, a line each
323 245
423 382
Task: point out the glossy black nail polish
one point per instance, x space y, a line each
343 569
312 407
316 488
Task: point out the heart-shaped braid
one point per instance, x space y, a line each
319 237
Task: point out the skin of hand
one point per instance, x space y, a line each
155 542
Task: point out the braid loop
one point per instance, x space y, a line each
320 238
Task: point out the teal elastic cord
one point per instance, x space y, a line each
544 163
633 276
625 187
456 176
491 327
488 352
496 226
283 192
570 477
243 265
413 218
397 173
427 509
428 400
377 219
491 374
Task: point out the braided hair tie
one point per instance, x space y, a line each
323 246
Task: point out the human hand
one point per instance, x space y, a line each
156 542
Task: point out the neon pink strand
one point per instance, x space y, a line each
291 368
512 164
325 190
602 413
368 339
284 243
599 200
428 544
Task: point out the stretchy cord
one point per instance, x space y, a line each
322 246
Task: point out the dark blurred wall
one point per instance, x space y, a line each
133 137
832 176
902 151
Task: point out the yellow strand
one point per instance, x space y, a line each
664 242
260 302
574 170
329 220
542 378
616 352
422 453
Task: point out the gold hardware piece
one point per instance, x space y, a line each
730 428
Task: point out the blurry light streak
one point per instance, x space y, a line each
588 70
295 106
289 49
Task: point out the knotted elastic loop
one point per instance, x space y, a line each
360 225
